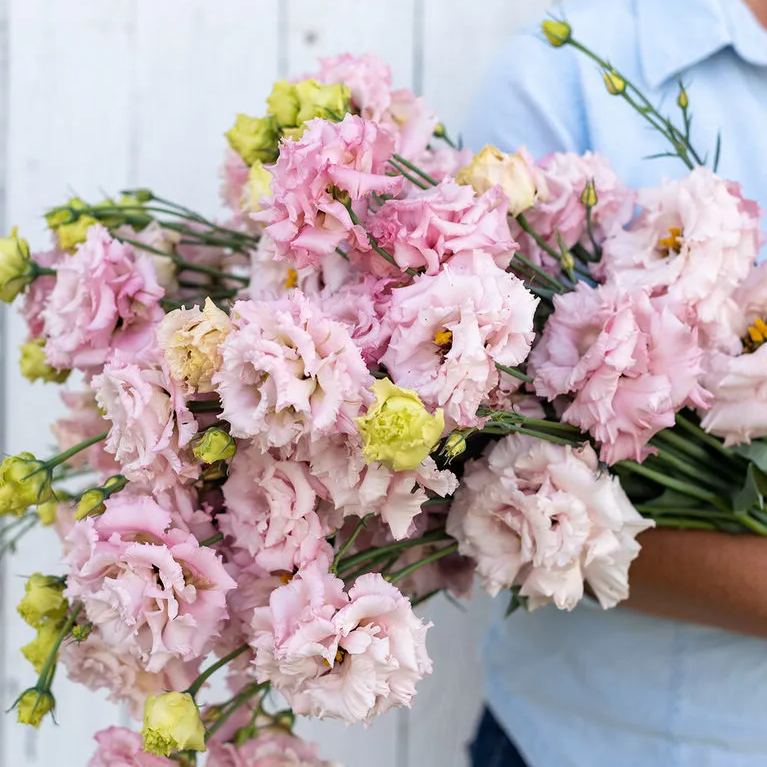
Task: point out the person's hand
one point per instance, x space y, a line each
702 577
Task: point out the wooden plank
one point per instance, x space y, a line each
459 42
198 63
68 129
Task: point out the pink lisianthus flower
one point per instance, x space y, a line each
412 121
450 330
269 749
288 371
83 421
118 747
150 423
95 664
428 228
303 217
346 656
544 518
38 293
234 182
443 162
694 243
559 209
106 297
354 487
628 363
367 77
271 511
151 591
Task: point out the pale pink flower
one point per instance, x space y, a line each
738 385
38 293
269 749
305 220
150 423
412 121
443 162
83 421
271 511
330 654
118 747
428 228
694 243
95 664
450 330
629 364
234 181
106 297
544 518
367 77
354 487
560 211
289 371
151 591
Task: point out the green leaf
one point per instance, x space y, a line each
756 452
751 495
516 601
673 499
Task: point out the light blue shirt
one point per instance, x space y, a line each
614 688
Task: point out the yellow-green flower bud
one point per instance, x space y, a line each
91 503
282 102
33 705
43 600
215 445
34 366
254 138
455 444
15 266
397 429
682 100
558 33
331 101
24 482
70 225
614 83
172 723
589 194
81 631
48 511
39 649
440 131
259 185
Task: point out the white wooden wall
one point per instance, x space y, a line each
102 94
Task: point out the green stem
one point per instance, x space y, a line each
374 243
670 482
682 523
427 560
364 556
74 450
528 227
195 687
514 372
402 172
46 672
241 698
704 437
422 173
540 273
748 521
349 542
217 538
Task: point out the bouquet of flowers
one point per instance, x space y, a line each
395 365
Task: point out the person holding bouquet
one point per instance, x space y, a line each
680 679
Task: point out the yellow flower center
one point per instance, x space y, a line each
756 335
291 280
444 339
672 243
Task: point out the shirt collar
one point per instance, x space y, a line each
670 41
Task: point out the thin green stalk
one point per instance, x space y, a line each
349 542
544 275
240 699
683 523
528 227
74 450
374 243
675 461
704 437
363 556
217 538
753 525
46 672
670 482
419 171
514 372
196 686
427 560
402 172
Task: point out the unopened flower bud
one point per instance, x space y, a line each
34 365
215 445
454 445
172 723
558 33
259 185
91 504
331 101
16 269
43 600
70 225
254 138
48 511
33 705
283 104
24 482
614 83
40 648
440 131
81 631
682 100
589 194
397 429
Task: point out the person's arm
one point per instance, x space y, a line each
702 577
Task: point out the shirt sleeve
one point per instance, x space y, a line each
531 97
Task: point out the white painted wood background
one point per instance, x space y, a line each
102 94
